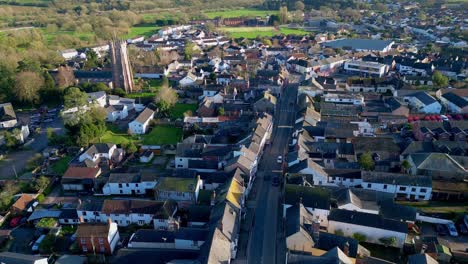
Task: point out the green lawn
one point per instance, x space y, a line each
163 135
240 13
179 109
140 95
117 138
50 37
253 32
61 165
433 207
146 31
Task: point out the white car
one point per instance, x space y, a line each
279 159
452 229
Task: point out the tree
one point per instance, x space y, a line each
189 50
360 237
366 162
131 148
405 165
221 111
299 5
166 98
388 241
339 232
41 183
439 79
27 86
65 77
7 81
92 59
283 15
74 97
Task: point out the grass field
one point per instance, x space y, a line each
117 138
50 37
253 32
240 13
179 109
451 209
163 135
146 31
61 165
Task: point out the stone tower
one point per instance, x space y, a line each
122 75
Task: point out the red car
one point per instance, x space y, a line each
15 221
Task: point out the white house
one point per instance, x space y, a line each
366 67
127 212
189 80
69 54
116 112
412 187
308 166
141 123
129 184
344 99
374 227
178 189
98 151
99 98
7 116
423 103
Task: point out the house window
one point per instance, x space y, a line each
352 180
402 188
120 191
85 249
138 191
141 215
128 222
66 220
136 184
83 241
385 186
120 185
116 215
413 189
84 213
141 222
96 213
369 185
421 197
333 178
179 166
423 190
126 184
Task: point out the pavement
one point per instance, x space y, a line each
267 241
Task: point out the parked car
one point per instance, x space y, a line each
452 230
35 247
279 159
441 230
15 221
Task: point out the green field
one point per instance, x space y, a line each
240 13
253 32
146 31
50 37
61 165
179 109
163 134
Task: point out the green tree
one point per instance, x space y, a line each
41 183
366 162
405 165
189 50
439 79
388 241
131 148
92 59
7 81
10 140
47 245
360 237
221 111
74 97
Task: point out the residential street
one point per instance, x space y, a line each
267 225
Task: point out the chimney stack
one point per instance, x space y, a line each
81 219
213 198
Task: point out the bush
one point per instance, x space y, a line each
360 237
47 223
339 232
40 198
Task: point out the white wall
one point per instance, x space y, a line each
372 234
352 207
396 189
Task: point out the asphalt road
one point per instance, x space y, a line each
266 243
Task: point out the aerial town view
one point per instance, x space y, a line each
233 131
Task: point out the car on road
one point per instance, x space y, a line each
279 159
441 230
275 182
452 229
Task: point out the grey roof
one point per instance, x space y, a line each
71 259
391 210
17 258
333 256
367 219
313 197
144 115
153 236
396 178
44 213
421 259
424 97
124 178
328 241
99 148
296 218
359 44
153 256
373 260
455 99
7 112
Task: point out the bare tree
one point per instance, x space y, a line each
65 77
27 86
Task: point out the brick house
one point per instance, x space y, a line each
97 238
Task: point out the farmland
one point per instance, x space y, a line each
253 32
240 13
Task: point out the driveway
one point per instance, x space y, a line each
21 240
17 161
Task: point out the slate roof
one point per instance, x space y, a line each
437 161
424 97
361 44
396 178
296 218
421 259
391 210
154 256
17 258
328 241
7 112
455 99
333 256
313 197
124 178
367 219
99 148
